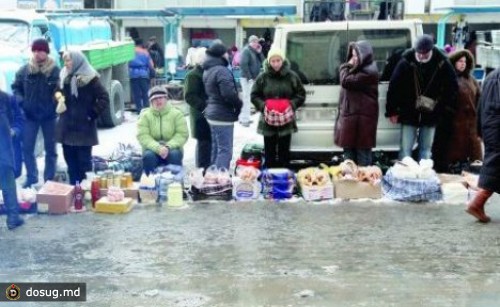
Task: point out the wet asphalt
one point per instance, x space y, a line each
263 254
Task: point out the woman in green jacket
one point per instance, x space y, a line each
277 81
162 132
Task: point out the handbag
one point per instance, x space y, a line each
423 102
278 112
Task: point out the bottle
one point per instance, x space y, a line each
175 195
78 196
95 191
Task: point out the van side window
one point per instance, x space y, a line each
388 46
316 56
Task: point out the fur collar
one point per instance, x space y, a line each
46 67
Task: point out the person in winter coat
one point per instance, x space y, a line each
162 132
356 125
85 99
489 130
462 144
34 88
250 66
139 70
16 121
7 179
277 81
195 96
223 104
426 68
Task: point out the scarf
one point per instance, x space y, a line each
81 72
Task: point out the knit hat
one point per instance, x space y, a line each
216 50
40 44
253 38
424 44
275 52
157 92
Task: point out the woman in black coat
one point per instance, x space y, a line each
489 131
85 99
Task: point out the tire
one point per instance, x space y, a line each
114 112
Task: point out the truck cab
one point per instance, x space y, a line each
63 31
315 52
17 30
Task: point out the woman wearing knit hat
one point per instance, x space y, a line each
223 104
85 100
277 94
162 131
356 124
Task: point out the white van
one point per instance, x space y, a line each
315 52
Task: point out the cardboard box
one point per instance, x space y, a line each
105 206
55 198
132 192
352 189
317 192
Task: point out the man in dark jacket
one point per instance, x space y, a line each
423 70
7 179
250 66
195 96
488 117
34 88
223 104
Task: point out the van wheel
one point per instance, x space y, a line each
114 112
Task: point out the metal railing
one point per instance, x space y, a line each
334 10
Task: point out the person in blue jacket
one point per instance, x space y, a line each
139 69
15 116
7 179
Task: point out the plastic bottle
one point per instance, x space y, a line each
175 195
78 196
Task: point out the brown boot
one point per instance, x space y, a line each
476 206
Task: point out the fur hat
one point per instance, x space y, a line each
424 44
275 52
217 50
40 44
253 38
157 92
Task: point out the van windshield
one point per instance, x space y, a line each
316 56
14 33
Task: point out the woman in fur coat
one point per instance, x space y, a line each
457 140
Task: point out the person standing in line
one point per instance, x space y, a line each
279 82
34 88
195 96
250 65
422 71
356 124
223 104
139 70
16 120
7 179
488 126
85 99
456 138
162 132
